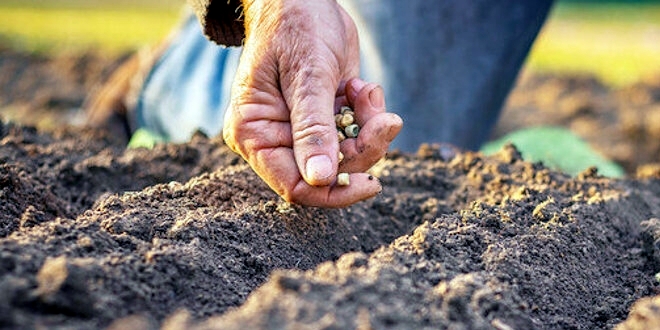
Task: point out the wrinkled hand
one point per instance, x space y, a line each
295 72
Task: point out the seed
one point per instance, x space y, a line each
341 136
338 118
340 156
344 109
352 131
346 120
343 179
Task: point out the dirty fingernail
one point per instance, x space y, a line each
377 98
318 168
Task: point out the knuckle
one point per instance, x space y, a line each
236 139
229 138
314 134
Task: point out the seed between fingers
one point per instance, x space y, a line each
343 179
347 128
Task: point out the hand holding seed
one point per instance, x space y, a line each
374 129
265 139
280 119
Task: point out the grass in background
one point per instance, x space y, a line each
617 42
71 26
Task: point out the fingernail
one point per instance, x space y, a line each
377 98
318 168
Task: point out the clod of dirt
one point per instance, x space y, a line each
644 314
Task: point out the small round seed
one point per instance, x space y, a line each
338 118
340 156
341 136
345 109
346 120
343 179
352 131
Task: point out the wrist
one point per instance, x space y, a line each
266 15
263 15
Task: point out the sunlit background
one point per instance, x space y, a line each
52 26
619 41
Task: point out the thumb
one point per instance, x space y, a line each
315 143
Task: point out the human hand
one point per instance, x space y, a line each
295 70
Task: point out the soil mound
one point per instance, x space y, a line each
187 236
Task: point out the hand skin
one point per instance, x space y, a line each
297 68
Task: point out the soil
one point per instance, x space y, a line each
186 236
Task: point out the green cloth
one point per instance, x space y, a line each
558 148
144 138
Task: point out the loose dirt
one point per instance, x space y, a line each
186 236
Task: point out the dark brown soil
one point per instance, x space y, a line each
47 92
187 236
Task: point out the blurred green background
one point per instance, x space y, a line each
54 26
619 41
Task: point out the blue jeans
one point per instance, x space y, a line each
446 67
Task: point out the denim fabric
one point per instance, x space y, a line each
446 67
188 87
